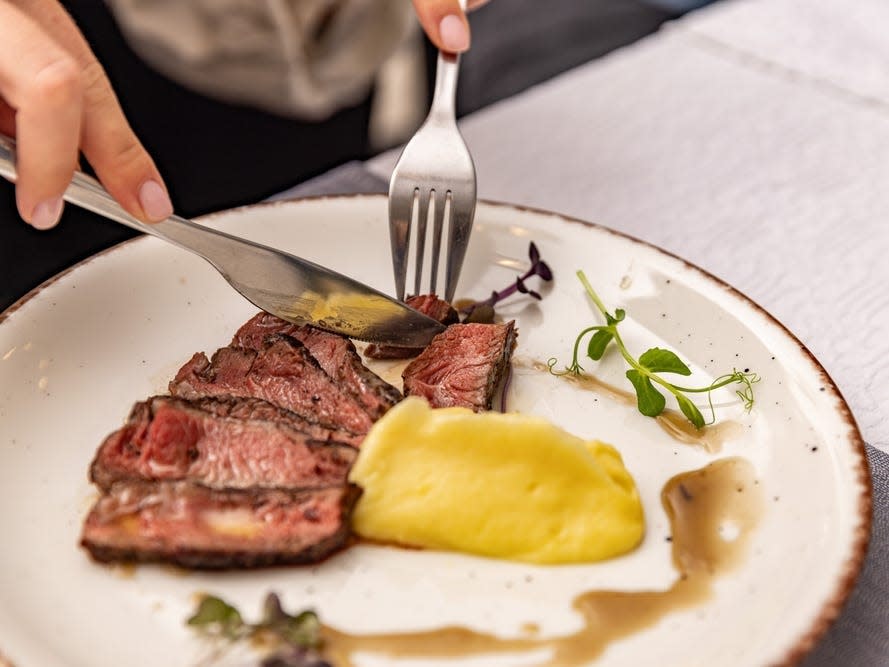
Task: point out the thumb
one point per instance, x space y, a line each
444 21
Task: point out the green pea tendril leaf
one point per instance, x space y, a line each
645 373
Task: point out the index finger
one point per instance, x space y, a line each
42 83
121 162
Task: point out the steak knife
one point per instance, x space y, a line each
279 283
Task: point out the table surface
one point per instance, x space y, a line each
750 138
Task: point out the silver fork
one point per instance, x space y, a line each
434 178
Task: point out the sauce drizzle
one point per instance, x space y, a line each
712 513
673 422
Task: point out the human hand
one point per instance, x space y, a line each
56 100
445 23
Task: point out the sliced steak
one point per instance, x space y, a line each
462 366
335 354
283 372
194 526
256 408
428 304
169 438
436 308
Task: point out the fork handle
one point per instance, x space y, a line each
445 91
86 192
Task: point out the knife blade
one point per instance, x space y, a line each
290 287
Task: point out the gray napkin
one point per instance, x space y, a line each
860 636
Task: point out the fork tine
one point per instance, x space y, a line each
442 210
401 205
422 218
462 214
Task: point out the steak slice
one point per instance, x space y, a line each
462 366
428 304
169 438
256 408
436 308
193 526
334 353
283 372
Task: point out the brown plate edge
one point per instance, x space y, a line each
831 609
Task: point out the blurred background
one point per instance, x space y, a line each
216 154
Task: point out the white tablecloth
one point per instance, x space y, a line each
751 138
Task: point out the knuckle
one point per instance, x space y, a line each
58 81
128 153
115 146
97 88
120 157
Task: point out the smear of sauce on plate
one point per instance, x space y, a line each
124 570
712 512
710 438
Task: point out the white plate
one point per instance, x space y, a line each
78 352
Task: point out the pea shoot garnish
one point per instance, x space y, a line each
296 636
645 372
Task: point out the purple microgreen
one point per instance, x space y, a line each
538 268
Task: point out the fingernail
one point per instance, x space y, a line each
155 201
47 213
454 33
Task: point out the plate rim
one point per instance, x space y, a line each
853 565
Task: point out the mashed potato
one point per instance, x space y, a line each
499 485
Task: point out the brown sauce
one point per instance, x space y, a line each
711 438
704 506
674 423
124 570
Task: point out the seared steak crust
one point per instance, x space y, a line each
197 527
462 366
428 304
170 438
283 372
335 354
